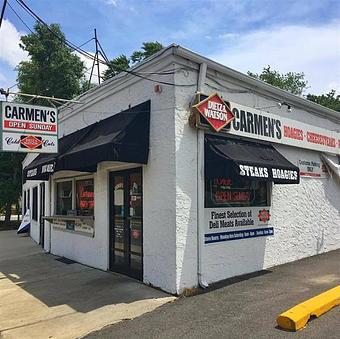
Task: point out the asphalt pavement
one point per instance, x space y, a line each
244 307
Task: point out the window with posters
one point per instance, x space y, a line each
85 197
236 191
74 206
64 197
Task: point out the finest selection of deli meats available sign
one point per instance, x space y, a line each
236 223
28 128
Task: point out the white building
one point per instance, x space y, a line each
181 205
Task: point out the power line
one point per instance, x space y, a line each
3 11
88 55
18 16
86 42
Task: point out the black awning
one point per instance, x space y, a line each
122 137
248 159
46 164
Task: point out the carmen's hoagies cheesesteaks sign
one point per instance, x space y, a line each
28 128
253 123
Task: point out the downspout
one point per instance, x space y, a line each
200 187
49 212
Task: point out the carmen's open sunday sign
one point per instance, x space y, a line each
28 128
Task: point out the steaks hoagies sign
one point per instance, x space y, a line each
28 128
228 117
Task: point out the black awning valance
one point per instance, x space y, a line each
122 137
248 159
46 164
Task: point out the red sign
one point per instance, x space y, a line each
264 215
30 142
215 111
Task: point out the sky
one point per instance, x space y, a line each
288 35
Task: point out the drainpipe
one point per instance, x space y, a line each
200 187
49 212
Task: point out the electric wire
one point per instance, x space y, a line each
18 16
88 55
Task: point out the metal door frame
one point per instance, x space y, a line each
127 236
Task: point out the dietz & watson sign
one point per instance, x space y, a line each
28 128
256 124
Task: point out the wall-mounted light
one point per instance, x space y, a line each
279 105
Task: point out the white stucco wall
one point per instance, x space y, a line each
159 182
305 217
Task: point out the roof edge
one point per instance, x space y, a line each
292 98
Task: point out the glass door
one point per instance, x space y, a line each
126 225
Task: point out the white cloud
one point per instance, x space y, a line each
312 50
88 65
111 2
10 52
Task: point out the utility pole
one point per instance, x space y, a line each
95 59
97 53
3 11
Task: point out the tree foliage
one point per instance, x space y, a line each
53 69
292 82
122 62
116 65
330 100
10 181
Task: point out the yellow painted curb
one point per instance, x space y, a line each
297 317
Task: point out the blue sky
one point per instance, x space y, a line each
300 35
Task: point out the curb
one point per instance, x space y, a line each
297 317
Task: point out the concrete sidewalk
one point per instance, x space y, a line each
244 307
41 297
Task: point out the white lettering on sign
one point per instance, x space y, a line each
49 168
284 174
32 128
253 171
216 110
32 173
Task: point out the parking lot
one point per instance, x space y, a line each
244 307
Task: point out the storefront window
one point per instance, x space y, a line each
235 191
85 197
64 197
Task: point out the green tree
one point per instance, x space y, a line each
53 69
148 49
115 66
10 181
292 82
330 100
122 62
